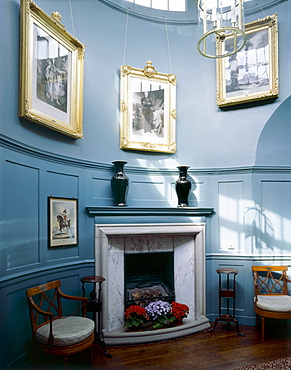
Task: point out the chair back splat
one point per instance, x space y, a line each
272 299
53 332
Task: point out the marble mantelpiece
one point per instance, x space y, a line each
187 241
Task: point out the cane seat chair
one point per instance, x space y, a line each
272 299
54 333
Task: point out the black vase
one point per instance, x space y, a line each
183 186
119 184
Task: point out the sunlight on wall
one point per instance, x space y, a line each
251 229
228 208
276 231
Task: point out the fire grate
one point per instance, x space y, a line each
141 289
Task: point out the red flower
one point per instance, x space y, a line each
179 310
135 310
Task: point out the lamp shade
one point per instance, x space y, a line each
220 21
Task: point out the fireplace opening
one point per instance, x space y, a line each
149 277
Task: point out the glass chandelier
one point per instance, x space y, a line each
221 24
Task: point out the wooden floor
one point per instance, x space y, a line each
221 349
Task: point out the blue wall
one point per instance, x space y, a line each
240 160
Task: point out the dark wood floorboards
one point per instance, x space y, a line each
220 349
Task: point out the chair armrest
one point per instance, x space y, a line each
66 296
73 298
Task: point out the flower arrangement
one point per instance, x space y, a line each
179 310
135 316
158 312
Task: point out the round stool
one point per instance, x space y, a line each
228 293
95 305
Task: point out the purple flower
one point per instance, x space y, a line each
158 308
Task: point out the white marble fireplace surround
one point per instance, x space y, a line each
187 241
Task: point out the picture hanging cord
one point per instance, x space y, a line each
168 45
125 38
72 20
167 34
261 9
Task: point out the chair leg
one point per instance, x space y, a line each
263 328
66 361
91 354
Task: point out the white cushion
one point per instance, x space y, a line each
66 331
278 303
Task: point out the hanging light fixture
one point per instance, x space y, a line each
221 25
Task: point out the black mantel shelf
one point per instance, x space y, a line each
149 211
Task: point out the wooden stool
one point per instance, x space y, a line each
227 293
95 305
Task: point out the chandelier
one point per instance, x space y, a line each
221 24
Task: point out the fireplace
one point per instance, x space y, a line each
117 244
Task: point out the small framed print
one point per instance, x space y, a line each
252 73
147 109
51 72
63 221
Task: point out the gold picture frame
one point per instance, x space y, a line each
252 73
51 72
147 109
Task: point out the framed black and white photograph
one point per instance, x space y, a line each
147 109
252 73
63 221
51 72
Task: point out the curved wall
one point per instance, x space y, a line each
240 160
202 128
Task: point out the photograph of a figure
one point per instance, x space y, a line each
63 221
52 71
148 113
248 70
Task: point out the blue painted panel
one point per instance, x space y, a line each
275 217
101 188
230 209
147 190
62 184
21 230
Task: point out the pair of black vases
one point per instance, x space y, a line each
119 185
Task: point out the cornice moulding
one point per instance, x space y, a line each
16 146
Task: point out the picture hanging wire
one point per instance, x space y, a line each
126 33
125 37
168 45
72 19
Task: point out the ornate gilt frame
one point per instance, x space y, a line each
248 85
154 131
51 72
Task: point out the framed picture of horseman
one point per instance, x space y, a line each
63 221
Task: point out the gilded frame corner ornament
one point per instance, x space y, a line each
51 72
251 74
147 109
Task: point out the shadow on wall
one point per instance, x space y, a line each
274 144
260 232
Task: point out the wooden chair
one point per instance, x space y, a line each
52 332
271 293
